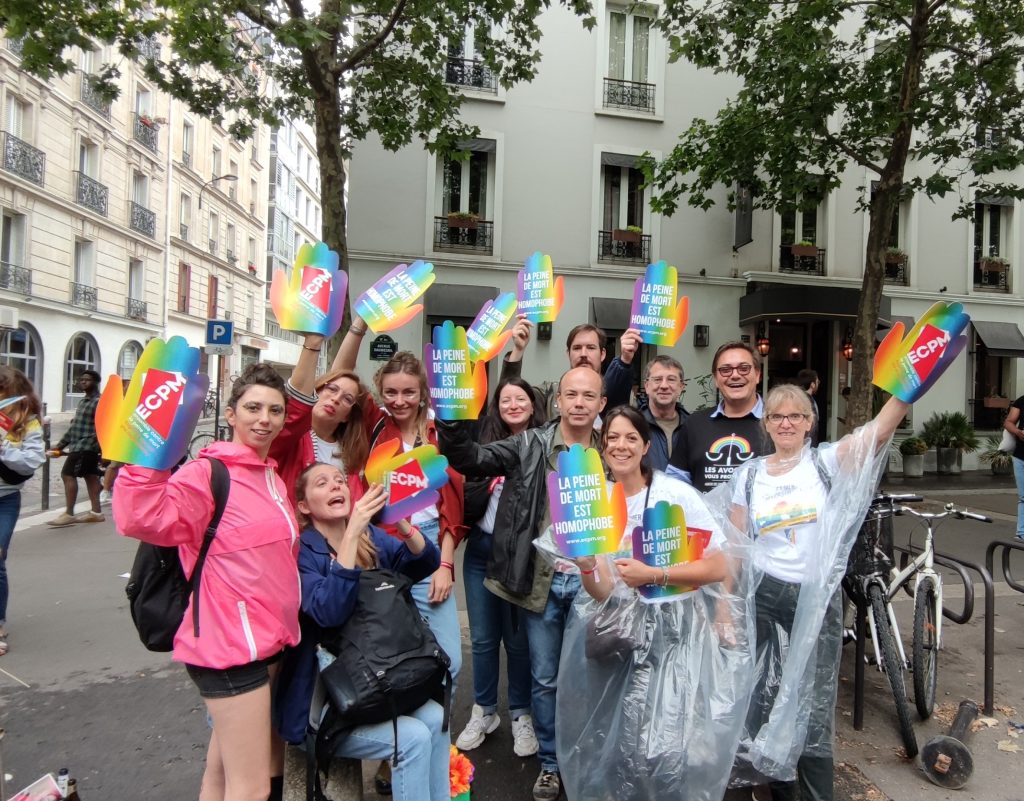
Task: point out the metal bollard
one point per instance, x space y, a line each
946 760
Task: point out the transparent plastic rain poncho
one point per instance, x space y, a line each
792 698
661 719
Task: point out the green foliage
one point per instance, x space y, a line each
707 390
990 454
913 446
950 430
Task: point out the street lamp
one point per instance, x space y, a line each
228 177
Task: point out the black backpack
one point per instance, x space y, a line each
158 590
386 663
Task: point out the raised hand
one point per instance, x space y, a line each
415 477
390 303
458 387
587 515
541 295
658 314
313 300
149 425
487 336
906 367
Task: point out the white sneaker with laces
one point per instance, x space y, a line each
524 739
479 726
105 497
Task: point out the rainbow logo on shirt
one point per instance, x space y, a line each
458 388
664 540
656 313
729 447
786 515
541 295
487 336
312 301
587 516
149 424
413 477
390 302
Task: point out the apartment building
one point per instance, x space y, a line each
554 169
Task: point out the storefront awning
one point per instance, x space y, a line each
457 301
1000 339
774 301
610 314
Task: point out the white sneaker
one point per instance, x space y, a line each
479 726
524 739
105 497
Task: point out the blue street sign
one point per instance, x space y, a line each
219 332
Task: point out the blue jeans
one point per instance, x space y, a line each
1018 475
490 623
10 505
544 630
423 752
443 618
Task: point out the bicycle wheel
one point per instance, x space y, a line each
926 649
198 442
893 668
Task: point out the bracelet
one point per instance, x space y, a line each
357 331
664 577
451 568
406 537
315 350
588 572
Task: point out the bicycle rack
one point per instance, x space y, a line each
990 624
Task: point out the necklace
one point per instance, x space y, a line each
323 451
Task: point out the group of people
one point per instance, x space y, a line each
727 679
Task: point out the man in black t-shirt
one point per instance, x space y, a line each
1012 424
714 442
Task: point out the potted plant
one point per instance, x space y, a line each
994 264
913 449
1000 461
951 434
804 248
630 234
462 219
895 256
146 120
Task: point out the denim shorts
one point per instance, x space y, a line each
228 682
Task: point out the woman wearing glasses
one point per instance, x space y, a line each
802 507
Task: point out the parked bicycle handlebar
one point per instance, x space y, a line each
949 510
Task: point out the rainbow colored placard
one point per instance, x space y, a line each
390 303
664 540
150 424
312 301
541 295
487 336
413 477
587 516
656 313
907 368
458 388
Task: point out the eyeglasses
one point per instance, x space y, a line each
794 418
726 370
343 397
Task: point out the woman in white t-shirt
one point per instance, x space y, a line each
802 507
644 717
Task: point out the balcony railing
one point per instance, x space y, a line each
476 236
15 278
991 273
629 246
186 158
89 95
183 231
141 219
83 296
213 247
149 47
135 309
90 193
145 132
895 269
629 95
16 45
808 259
24 160
471 72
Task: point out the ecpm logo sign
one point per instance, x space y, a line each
162 394
316 288
406 481
930 345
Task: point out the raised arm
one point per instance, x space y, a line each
349 350
472 459
303 377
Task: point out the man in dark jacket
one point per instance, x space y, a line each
514 573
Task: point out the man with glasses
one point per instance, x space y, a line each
663 387
714 442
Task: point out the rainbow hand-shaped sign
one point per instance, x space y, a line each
389 303
907 368
149 425
313 300
665 540
413 478
458 388
587 517
656 313
541 295
484 336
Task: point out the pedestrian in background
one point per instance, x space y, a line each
82 449
1012 424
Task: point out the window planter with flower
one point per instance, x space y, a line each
630 234
804 249
994 264
463 219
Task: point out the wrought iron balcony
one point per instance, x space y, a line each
476 236
90 193
141 219
145 132
991 273
15 278
135 309
89 95
83 295
16 45
186 158
621 245
213 247
471 72
24 160
149 47
808 259
895 269
183 231
629 95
